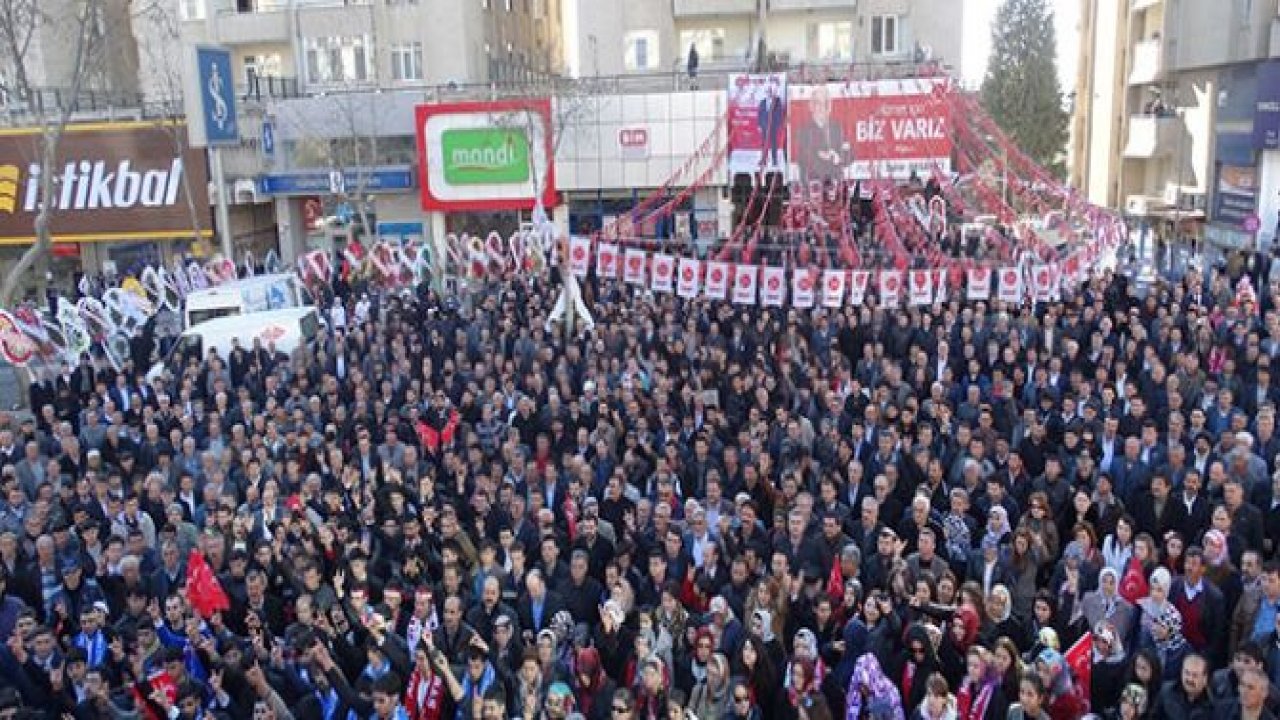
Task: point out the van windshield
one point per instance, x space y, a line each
195 317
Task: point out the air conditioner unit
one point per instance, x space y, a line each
246 192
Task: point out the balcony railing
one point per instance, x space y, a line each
1151 136
787 5
259 89
1148 62
246 28
696 8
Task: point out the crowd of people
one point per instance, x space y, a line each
446 508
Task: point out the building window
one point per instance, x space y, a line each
337 59
831 40
406 61
260 66
884 35
191 9
641 50
709 41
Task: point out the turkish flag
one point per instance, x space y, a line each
203 591
1133 585
1080 659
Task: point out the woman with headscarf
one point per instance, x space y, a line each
1109 666
998 528
919 661
805 647
1105 605
1153 606
762 627
651 691
871 694
1001 622
710 696
1063 702
1219 569
1170 645
980 696
962 633
804 700
592 689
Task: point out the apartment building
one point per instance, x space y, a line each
615 37
1163 102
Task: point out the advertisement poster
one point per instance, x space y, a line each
1236 199
1266 115
757 123
882 129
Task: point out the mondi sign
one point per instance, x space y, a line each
485 156
114 181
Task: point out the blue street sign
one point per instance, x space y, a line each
319 182
268 138
217 96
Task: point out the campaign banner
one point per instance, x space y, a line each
664 269
979 283
1266 115
607 261
890 288
687 284
1045 280
773 286
802 288
757 123
744 284
883 129
717 280
833 288
633 266
858 281
1010 285
580 255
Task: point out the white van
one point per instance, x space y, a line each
240 297
286 329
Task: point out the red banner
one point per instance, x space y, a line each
870 129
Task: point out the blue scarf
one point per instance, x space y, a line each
94 646
472 689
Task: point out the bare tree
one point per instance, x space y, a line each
20 22
159 31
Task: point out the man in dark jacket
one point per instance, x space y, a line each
1187 699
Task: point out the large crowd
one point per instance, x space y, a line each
448 508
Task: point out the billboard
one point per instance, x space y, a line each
869 129
485 155
1266 114
757 123
217 96
115 181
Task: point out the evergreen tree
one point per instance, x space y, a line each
1021 89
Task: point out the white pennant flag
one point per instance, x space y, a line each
607 261
687 284
664 270
1010 285
890 288
833 288
717 280
633 266
802 288
858 281
744 284
1043 277
921 287
579 255
979 283
773 290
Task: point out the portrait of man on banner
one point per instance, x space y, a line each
822 149
772 120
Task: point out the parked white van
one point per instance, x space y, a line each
287 329
241 297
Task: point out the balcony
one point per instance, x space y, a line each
253 28
702 8
787 5
1140 5
1151 136
1148 62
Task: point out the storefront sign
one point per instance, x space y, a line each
113 181
633 143
1266 115
485 155
1236 198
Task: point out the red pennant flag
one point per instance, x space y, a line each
203 591
162 681
1134 586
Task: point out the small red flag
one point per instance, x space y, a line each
1080 659
835 582
203 591
1134 586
